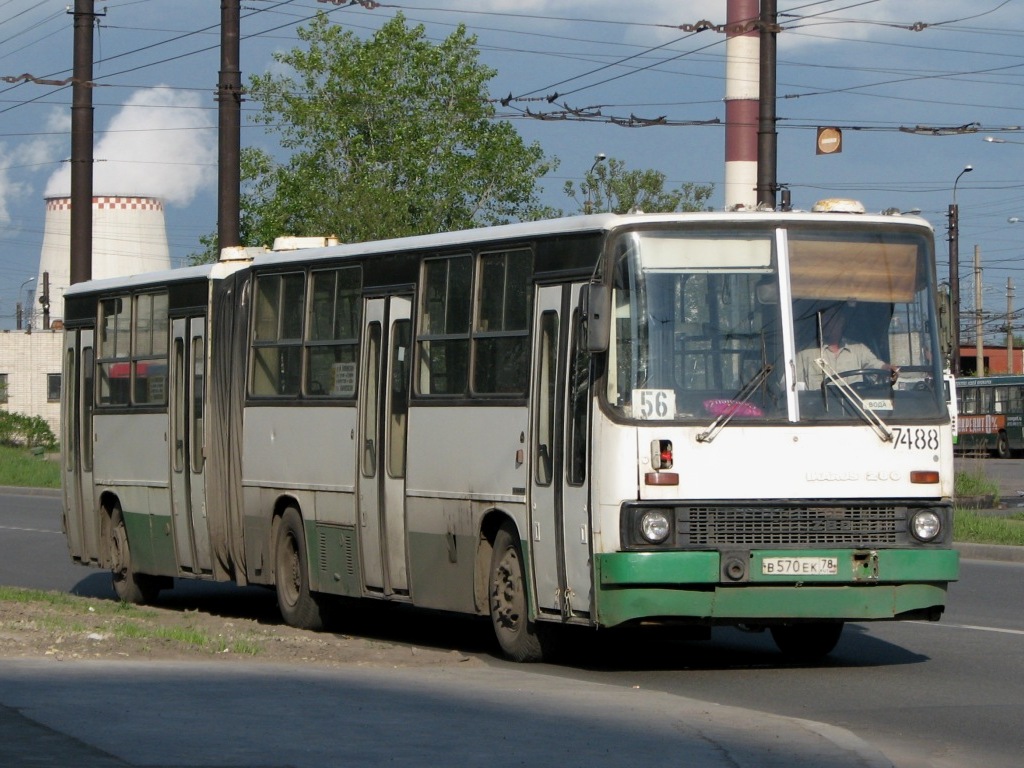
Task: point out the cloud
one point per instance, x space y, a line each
9 190
40 150
161 144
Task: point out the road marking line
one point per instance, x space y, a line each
970 626
30 530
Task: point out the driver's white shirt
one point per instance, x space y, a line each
850 356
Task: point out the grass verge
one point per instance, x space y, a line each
970 527
71 615
20 467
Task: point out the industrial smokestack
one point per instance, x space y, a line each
129 236
742 90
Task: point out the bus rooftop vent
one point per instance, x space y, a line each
299 243
838 205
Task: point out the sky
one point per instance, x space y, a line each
915 85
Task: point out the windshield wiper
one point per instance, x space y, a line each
865 411
734 405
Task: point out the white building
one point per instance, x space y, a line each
30 375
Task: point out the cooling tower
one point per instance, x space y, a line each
128 236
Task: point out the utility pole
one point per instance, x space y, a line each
767 136
954 275
44 299
979 344
229 134
1009 325
81 145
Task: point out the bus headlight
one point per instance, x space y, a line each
655 526
926 525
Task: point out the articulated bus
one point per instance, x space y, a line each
991 415
600 421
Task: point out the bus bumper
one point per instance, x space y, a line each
868 585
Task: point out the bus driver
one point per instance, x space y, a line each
839 354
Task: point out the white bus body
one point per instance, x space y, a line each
599 421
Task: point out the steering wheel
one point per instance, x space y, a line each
918 383
869 378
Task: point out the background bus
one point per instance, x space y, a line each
991 415
596 421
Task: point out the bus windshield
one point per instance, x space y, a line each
807 324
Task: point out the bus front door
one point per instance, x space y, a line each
81 521
560 531
188 490
383 408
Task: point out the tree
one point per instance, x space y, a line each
385 137
610 187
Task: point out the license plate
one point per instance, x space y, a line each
800 566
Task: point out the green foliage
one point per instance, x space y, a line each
29 431
387 137
610 187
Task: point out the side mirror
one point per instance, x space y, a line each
598 308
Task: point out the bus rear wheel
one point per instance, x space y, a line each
516 634
129 586
299 608
807 642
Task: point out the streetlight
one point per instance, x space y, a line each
598 158
994 140
18 311
954 275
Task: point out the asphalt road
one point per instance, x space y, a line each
942 695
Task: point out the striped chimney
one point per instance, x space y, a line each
742 57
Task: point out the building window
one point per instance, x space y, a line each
52 387
3 387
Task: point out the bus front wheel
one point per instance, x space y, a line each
129 586
1003 446
516 634
807 642
299 608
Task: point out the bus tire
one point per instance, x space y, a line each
807 642
1003 446
516 634
129 586
299 608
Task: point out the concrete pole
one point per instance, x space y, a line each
81 145
1009 325
229 96
979 343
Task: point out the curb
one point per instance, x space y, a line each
998 552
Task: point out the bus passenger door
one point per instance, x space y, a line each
559 508
188 490
383 408
80 513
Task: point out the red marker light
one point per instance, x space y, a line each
661 454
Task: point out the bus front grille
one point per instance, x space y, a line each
791 525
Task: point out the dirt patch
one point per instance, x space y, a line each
64 627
